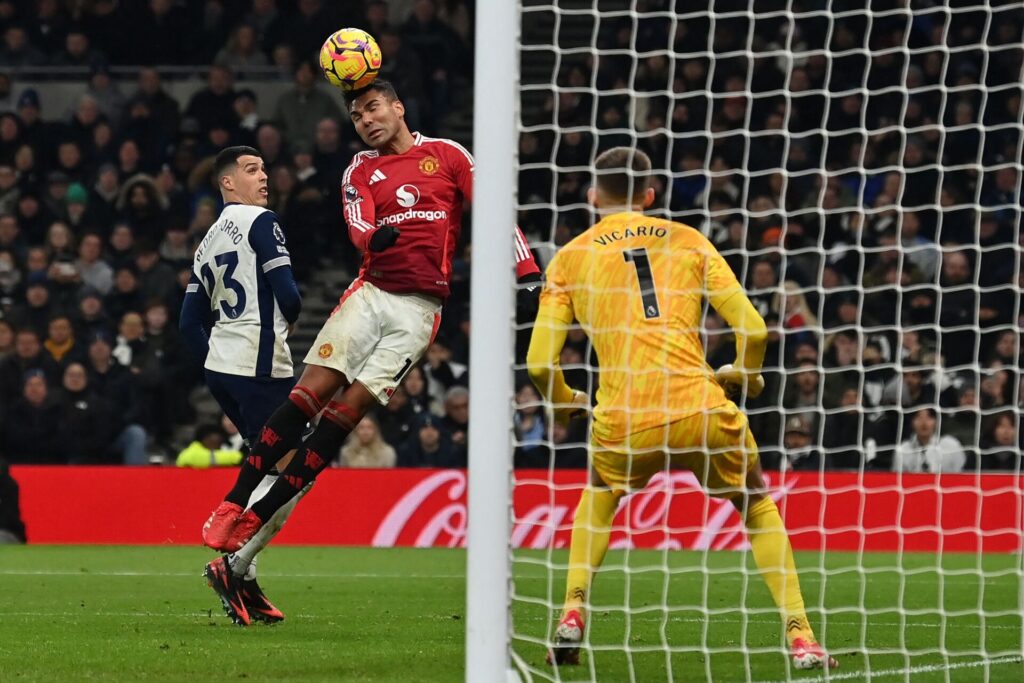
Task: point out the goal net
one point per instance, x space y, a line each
858 165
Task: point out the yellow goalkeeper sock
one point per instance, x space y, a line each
774 557
591 529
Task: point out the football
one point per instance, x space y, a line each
350 59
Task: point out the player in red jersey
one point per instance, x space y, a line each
403 204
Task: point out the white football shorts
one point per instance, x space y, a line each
373 337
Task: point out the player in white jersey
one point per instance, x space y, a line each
239 305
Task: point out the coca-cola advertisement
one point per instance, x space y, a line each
407 507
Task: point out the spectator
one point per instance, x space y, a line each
248 118
842 434
131 341
300 109
60 342
429 445
18 52
214 105
1001 443
365 447
143 207
456 419
106 93
395 419
12 529
925 450
77 52
90 319
207 450
798 441
420 399
29 434
93 271
83 430
28 356
156 278
964 423
118 385
163 108
125 297
121 247
36 311
33 130
803 388
530 428
242 51
442 372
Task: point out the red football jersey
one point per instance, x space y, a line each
420 192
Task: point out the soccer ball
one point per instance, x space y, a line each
350 59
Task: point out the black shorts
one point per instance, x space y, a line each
248 401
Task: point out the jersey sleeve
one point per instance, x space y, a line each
719 280
357 203
728 298
555 297
268 241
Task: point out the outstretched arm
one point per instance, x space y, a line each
728 298
548 338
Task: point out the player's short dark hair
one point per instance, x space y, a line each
623 173
228 158
381 85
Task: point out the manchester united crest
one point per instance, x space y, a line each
326 350
429 165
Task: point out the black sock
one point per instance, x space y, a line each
319 449
278 436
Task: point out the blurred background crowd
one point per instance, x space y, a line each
869 198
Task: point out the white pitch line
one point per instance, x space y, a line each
104 574
520 619
923 668
638 576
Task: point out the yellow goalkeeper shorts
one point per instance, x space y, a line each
716 445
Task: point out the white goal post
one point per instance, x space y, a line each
495 131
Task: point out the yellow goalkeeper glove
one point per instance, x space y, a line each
735 380
576 407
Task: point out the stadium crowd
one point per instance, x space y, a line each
101 206
876 228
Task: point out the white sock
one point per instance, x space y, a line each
244 560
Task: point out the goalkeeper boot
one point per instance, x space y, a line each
229 589
808 654
218 527
243 531
568 637
256 602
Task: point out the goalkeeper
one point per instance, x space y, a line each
635 284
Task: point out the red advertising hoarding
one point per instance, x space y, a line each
832 511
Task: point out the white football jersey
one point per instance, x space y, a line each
249 335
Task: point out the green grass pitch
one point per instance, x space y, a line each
71 613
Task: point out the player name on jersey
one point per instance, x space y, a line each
635 231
